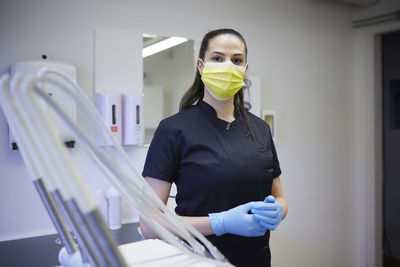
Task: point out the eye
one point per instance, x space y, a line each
237 61
217 59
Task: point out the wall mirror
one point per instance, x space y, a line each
168 71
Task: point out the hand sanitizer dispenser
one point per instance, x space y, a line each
132 119
109 107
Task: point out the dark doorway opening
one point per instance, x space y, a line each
391 148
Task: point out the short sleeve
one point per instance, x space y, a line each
161 159
276 167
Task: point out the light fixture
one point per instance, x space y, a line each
163 45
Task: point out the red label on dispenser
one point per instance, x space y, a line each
114 129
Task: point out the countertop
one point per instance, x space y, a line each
42 251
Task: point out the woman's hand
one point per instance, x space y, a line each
237 221
268 213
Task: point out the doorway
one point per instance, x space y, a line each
391 148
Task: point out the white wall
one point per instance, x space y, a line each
302 50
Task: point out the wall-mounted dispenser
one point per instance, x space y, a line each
59 96
132 119
109 107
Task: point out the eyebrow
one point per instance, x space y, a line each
220 53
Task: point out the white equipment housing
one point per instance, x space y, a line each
59 96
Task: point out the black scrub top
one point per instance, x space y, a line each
216 166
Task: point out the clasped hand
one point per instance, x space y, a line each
268 213
239 221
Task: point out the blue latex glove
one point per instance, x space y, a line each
269 214
237 221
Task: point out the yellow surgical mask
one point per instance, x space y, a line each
223 79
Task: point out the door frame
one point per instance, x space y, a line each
368 143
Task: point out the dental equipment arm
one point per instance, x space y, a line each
50 151
128 181
30 158
45 156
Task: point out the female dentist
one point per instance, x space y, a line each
221 157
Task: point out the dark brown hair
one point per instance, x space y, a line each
196 91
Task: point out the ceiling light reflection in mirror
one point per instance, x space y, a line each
154 44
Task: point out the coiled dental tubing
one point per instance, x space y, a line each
138 187
40 144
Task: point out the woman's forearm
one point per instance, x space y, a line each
284 206
202 224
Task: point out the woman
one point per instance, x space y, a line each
222 158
